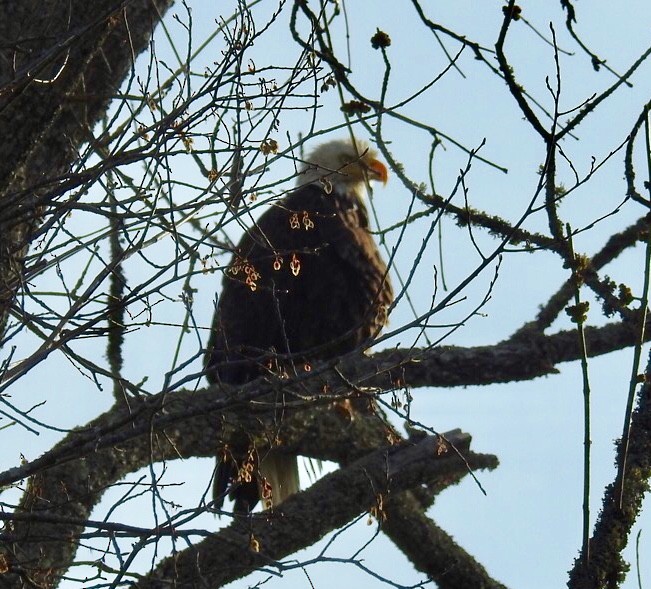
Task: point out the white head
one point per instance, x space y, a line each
343 166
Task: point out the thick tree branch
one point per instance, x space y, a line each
523 358
305 518
604 567
61 498
193 423
61 63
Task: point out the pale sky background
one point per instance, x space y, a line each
527 530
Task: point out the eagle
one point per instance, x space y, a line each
305 284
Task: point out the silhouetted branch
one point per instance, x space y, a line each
606 568
528 356
301 520
60 65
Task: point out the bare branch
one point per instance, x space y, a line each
304 518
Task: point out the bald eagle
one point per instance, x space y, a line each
306 283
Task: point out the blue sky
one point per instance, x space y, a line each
527 529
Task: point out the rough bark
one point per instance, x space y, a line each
604 566
189 423
303 519
61 62
509 361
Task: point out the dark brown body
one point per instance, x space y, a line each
317 288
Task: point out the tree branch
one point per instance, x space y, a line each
303 519
60 65
522 358
605 568
191 423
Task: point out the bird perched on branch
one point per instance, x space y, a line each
306 283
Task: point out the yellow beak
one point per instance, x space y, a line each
379 170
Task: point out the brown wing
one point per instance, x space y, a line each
307 281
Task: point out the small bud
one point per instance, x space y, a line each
355 107
578 313
515 13
380 40
269 146
625 295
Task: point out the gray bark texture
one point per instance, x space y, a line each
61 62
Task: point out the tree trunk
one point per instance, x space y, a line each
61 62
